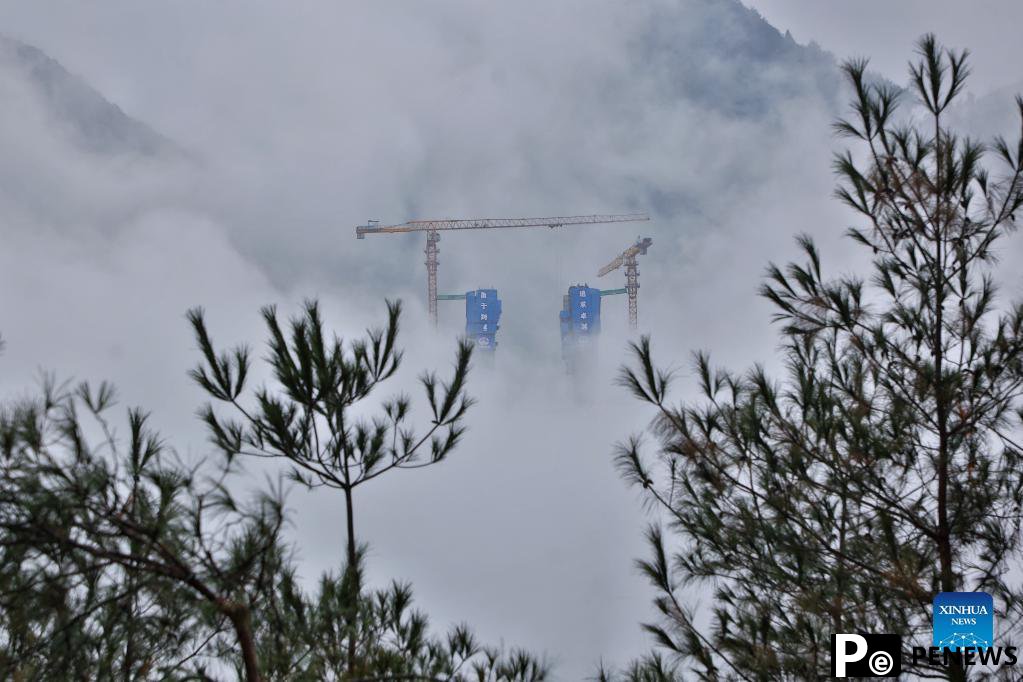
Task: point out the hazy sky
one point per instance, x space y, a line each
881 30
298 121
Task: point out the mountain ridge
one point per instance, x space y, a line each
92 121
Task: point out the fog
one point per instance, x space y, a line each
270 131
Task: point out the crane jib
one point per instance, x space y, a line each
490 223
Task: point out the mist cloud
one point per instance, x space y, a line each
295 124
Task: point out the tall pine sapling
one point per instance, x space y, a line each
306 417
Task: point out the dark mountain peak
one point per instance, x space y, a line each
91 121
727 57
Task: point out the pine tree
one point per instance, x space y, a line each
120 561
884 465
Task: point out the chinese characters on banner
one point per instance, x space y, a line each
482 317
580 319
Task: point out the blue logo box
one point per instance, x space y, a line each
964 619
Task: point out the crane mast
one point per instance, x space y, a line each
433 227
628 259
431 273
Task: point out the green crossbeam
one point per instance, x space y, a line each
611 292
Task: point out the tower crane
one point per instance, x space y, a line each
433 227
628 259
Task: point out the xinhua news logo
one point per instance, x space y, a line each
854 655
963 619
964 633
